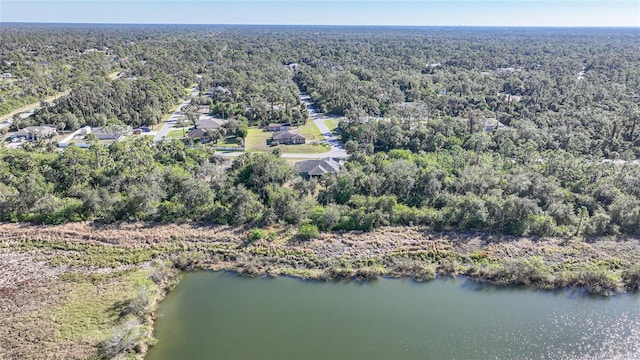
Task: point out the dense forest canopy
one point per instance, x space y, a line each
414 104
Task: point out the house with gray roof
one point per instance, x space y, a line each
311 168
491 124
110 132
273 127
198 134
31 133
287 138
208 122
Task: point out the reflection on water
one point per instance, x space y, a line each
220 315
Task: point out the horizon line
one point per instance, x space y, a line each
329 25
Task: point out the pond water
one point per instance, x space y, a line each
218 315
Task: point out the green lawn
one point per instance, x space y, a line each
257 141
310 131
305 149
177 134
332 124
228 142
90 310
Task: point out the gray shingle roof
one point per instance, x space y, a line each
209 123
317 167
286 135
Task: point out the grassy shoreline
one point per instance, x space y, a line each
71 289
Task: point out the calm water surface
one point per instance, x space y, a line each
217 315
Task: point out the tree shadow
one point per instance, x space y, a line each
120 309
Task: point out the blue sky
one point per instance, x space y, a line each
330 12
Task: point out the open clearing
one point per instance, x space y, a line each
257 141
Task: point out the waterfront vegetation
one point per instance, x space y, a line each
90 239
86 288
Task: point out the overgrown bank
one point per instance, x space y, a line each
85 291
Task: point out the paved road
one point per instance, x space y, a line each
337 150
170 124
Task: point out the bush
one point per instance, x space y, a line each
367 273
417 270
141 303
595 281
123 340
337 272
631 277
257 234
163 273
308 231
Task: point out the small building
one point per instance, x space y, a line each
85 130
287 138
311 168
279 127
6 75
31 133
491 124
218 90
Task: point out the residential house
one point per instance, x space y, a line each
287 138
31 133
6 75
208 122
279 127
197 134
111 132
311 168
218 90
491 124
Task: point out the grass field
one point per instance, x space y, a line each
257 141
91 310
177 134
228 142
332 124
310 131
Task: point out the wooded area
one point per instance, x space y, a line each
516 131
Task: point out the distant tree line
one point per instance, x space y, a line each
414 105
